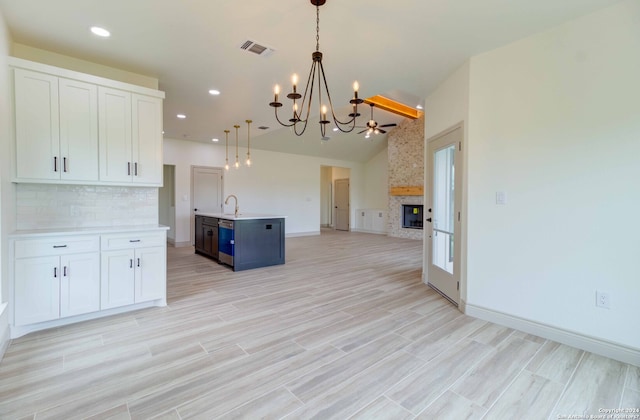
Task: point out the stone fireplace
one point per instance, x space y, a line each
406 177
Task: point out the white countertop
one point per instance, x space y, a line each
241 216
85 230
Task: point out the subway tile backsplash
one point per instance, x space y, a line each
44 206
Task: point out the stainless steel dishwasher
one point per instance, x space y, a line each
226 242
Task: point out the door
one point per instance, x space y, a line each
206 193
114 128
78 130
342 204
80 284
147 139
117 278
37 125
37 291
150 282
445 196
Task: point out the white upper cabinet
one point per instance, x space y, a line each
78 130
115 135
147 139
37 126
130 137
81 129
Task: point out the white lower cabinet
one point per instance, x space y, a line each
58 277
52 281
133 269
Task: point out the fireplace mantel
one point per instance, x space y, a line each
408 190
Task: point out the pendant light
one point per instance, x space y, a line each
226 164
237 164
248 142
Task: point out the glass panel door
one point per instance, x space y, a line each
443 208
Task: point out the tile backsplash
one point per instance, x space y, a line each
45 206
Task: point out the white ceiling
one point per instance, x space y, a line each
401 49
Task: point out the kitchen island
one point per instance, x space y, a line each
242 242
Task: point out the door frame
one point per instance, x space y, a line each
192 214
461 261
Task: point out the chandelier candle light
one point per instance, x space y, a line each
317 71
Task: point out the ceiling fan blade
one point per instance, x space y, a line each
381 131
360 132
388 125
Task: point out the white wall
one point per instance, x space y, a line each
376 184
554 121
276 183
54 59
7 190
166 202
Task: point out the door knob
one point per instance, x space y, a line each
429 220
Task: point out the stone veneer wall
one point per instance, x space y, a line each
406 168
44 206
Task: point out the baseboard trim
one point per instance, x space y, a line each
181 244
20 330
377 232
5 332
591 344
296 234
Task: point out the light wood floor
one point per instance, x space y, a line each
344 330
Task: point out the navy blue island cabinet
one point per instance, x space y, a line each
246 242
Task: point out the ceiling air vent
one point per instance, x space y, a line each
256 48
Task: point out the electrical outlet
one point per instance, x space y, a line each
602 299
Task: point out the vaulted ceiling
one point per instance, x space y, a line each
401 49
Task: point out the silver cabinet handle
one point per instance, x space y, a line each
135 169
64 164
128 168
130 263
55 164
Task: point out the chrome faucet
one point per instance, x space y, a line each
226 201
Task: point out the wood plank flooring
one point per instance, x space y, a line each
345 329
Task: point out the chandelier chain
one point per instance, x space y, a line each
317 27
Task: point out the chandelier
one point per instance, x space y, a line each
300 116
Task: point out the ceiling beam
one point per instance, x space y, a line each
394 107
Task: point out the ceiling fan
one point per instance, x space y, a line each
373 127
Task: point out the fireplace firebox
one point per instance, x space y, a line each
412 216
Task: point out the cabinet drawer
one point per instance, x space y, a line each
133 240
61 245
210 221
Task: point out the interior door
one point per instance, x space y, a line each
445 196
342 204
206 193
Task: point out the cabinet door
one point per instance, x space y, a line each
114 122
37 290
151 275
199 234
79 284
147 139
78 130
37 125
116 278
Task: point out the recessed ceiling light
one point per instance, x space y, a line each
181 116
419 106
214 92
96 30
215 140
335 128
